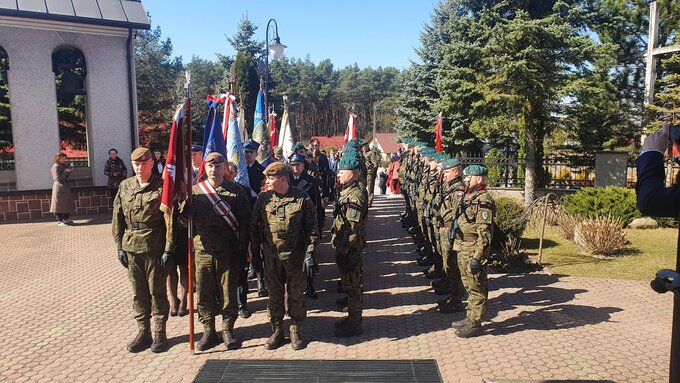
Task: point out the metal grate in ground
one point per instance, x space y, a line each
327 371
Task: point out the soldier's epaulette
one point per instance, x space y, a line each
486 204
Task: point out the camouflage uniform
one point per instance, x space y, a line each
220 253
348 241
451 196
372 161
285 228
139 229
473 234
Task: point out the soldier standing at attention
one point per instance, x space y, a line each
372 159
284 229
144 248
473 236
348 241
221 216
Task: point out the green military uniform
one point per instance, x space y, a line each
285 228
451 195
372 161
221 246
473 236
348 240
139 230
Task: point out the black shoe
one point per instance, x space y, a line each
310 292
471 330
244 313
443 301
342 322
460 323
436 274
341 301
182 312
443 290
451 308
425 261
262 293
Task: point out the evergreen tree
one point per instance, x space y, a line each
5 113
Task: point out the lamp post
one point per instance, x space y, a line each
375 111
276 49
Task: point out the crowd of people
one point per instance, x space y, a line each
267 230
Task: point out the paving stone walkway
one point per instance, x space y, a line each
67 316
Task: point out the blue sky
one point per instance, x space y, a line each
369 32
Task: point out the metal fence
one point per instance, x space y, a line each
78 162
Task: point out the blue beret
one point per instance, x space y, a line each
296 158
196 148
476 170
251 145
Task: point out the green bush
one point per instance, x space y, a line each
507 213
615 202
492 161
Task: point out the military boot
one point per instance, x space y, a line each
451 307
425 261
444 289
276 340
230 341
434 274
342 302
261 290
160 342
437 282
460 323
208 340
342 322
470 330
296 342
142 341
351 328
443 301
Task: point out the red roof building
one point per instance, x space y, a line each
385 143
330 141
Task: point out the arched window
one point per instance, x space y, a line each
70 71
6 144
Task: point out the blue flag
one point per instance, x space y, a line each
213 128
260 129
235 145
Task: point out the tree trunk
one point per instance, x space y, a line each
530 176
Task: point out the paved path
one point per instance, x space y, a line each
67 316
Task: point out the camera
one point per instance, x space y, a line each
666 280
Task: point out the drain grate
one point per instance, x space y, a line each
393 371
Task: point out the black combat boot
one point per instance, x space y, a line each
425 261
443 301
142 341
460 323
160 342
351 328
261 290
451 307
230 341
342 301
208 340
436 274
341 323
276 340
470 330
437 282
296 342
443 290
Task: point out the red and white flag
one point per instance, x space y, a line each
351 130
173 181
438 134
272 128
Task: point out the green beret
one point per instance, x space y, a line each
451 163
348 163
298 146
426 150
476 170
140 154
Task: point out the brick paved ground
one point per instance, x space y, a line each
67 316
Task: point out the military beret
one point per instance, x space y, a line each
276 169
426 150
298 146
364 143
296 158
348 163
476 170
251 145
278 150
140 154
215 158
451 163
196 148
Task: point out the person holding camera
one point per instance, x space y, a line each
62 200
653 197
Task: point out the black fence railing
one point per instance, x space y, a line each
78 162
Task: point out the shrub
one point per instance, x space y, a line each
508 222
600 236
510 254
567 223
492 161
616 202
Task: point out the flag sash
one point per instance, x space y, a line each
220 206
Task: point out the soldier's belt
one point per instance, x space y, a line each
141 226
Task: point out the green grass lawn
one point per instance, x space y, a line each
649 251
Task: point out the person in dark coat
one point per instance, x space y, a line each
653 197
158 163
255 170
62 200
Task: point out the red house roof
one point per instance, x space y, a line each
386 142
326 141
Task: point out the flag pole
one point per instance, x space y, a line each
190 243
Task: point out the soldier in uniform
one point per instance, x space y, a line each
221 217
255 175
372 159
348 241
144 248
473 234
284 229
452 193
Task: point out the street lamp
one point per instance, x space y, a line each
276 49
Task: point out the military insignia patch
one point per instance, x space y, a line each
485 215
